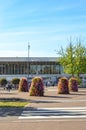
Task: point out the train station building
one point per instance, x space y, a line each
47 67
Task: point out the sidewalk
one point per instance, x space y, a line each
50 98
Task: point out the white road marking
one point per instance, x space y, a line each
54 113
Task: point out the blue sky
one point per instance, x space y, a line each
45 24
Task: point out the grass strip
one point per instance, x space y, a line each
13 104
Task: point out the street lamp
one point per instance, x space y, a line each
28 59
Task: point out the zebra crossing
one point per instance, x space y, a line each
54 113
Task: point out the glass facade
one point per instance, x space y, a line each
35 67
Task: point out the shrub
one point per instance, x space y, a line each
63 86
15 81
73 84
37 87
23 85
3 81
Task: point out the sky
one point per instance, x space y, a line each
44 24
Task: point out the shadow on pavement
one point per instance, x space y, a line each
11 111
5 112
59 96
13 99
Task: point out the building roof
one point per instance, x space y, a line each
24 59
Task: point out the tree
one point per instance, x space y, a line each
73 58
80 58
67 59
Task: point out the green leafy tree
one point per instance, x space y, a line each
67 59
73 58
80 59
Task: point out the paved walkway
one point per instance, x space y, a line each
50 98
76 101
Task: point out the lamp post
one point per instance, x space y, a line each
28 60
